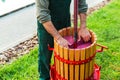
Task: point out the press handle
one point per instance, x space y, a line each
102 47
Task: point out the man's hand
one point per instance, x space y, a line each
84 34
63 42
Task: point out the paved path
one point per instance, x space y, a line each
17 27
8 6
21 25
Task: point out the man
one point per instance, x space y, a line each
53 15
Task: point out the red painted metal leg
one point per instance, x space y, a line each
96 75
96 72
52 73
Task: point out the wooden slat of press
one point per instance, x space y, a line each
71 67
66 53
56 61
91 64
70 31
61 32
87 55
92 69
91 53
82 66
61 63
77 67
94 50
64 32
92 38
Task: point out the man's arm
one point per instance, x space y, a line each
43 15
82 12
83 32
51 29
42 11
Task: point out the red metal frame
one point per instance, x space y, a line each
95 76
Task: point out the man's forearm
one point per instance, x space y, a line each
83 17
51 29
83 32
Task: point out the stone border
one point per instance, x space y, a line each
24 47
19 50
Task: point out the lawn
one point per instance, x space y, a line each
105 23
25 68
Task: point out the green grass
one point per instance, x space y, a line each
25 68
105 23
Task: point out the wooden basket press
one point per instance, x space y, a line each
74 64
